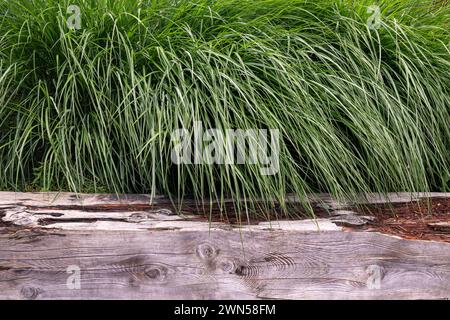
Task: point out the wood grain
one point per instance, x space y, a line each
127 248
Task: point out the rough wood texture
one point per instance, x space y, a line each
127 248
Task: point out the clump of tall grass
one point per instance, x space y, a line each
359 109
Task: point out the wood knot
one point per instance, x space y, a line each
279 261
30 293
375 275
206 251
228 266
248 271
240 270
157 273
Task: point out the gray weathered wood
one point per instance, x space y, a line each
128 249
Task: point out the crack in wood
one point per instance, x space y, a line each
440 226
49 221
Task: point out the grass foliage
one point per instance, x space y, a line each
359 109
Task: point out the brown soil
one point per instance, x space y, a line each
428 219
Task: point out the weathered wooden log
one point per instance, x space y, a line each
63 246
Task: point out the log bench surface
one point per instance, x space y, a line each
121 247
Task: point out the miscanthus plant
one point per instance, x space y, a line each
359 91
